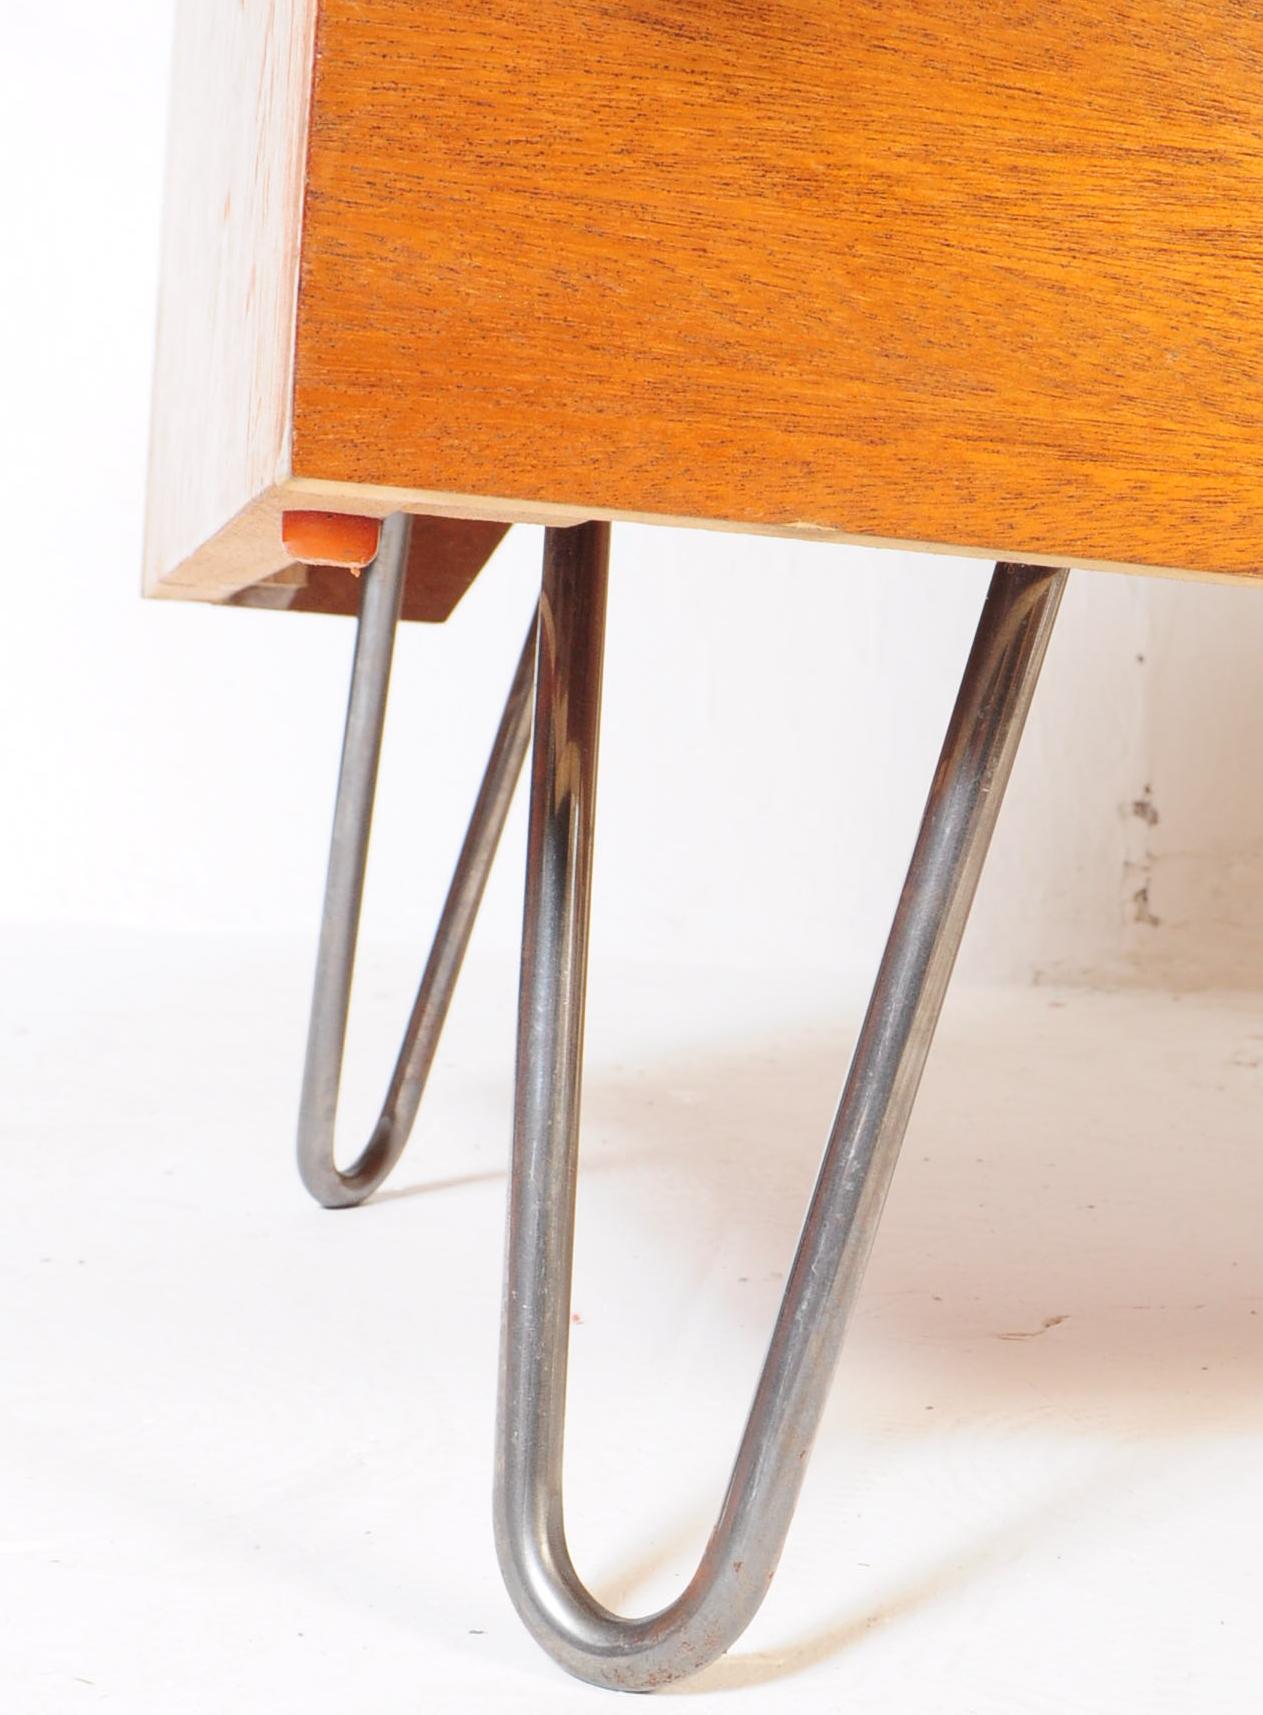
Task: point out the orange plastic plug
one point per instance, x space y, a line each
331 538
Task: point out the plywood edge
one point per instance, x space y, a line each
248 550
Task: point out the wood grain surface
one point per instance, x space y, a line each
220 475
926 271
223 379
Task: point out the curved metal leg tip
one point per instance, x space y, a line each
337 1188
745 1546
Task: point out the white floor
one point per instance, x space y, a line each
245 1450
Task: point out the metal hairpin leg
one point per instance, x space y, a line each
380 597
741 1556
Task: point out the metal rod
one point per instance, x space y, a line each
964 801
380 597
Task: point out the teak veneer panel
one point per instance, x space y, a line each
934 272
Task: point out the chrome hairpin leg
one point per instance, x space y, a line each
380 597
964 800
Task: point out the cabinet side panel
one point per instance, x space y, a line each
917 271
223 382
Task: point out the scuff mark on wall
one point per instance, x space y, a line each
1141 815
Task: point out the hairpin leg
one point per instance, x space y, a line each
964 800
381 593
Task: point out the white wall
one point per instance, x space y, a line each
773 709
1202 858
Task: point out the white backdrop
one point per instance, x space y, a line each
773 709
